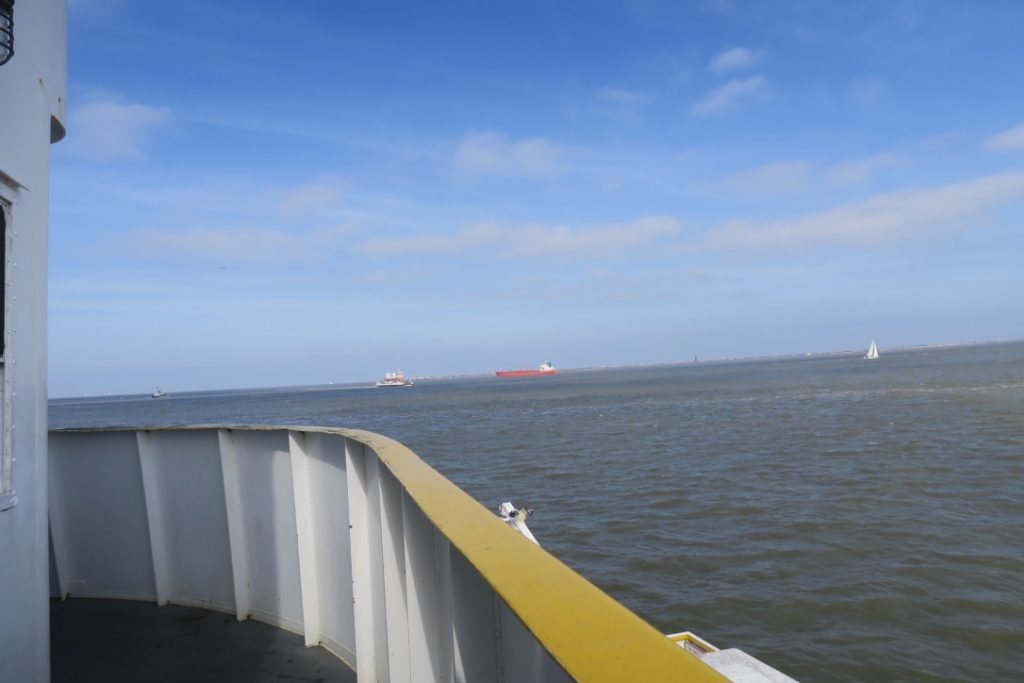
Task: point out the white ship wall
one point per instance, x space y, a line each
32 102
303 530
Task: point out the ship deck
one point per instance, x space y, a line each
126 640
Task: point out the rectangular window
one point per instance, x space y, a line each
4 210
7 498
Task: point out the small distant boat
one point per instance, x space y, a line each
394 379
872 353
544 369
158 393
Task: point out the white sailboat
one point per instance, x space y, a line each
872 353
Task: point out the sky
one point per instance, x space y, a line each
257 194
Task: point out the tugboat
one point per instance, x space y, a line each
394 379
545 369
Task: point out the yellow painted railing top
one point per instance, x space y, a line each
593 637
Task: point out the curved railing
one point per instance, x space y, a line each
344 536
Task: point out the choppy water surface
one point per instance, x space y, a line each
843 520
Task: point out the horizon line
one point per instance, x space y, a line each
696 361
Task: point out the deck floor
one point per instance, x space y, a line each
124 640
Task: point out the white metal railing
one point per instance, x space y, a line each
345 537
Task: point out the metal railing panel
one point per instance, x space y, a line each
269 524
328 487
427 658
349 537
188 484
393 569
523 658
474 622
365 544
98 485
233 507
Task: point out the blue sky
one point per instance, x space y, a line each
263 194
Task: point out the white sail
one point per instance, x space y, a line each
873 351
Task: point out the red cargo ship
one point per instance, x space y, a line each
545 369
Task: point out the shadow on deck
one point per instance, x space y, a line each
126 640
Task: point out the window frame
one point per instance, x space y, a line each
8 497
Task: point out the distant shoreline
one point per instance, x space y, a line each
624 366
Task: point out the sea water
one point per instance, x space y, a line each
838 518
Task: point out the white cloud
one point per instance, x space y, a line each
531 240
733 59
236 244
882 218
392 276
626 98
311 198
868 90
781 177
726 96
859 170
491 152
1011 139
536 156
106 130
787 177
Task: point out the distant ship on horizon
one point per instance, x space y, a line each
394 379
872 353
545 368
